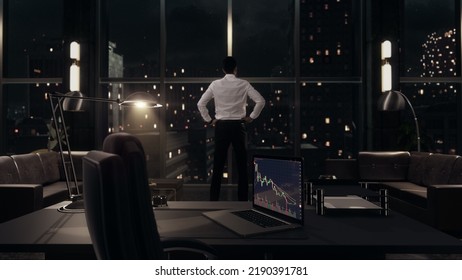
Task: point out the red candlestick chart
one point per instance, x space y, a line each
277 190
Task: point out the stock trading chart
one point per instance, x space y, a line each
278 185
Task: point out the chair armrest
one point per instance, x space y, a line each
445 207
19 199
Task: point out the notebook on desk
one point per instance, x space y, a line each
277 198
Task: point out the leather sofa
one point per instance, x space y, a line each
29 182
425 186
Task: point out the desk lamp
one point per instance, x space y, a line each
73 101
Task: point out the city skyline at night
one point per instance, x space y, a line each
312 111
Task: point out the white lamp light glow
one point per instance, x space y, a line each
141 104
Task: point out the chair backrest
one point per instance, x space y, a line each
117 202
104 187
143 226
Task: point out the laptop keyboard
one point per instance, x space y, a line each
258 218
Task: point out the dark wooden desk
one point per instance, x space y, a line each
355 236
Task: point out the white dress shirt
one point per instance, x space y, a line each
230 97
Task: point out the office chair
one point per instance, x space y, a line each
119 213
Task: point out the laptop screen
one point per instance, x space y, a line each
278 185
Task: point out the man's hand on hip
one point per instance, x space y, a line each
247 119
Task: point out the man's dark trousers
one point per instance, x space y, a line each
230 132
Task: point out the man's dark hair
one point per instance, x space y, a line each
229 64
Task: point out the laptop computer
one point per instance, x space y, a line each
277 194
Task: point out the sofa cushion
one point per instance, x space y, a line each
383 166
438 169
30 168
455 178
51 166
9 172
417 167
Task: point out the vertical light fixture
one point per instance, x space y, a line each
74 71
386 67
230 28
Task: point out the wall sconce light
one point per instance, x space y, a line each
387 82
74 71
386 50
74 77
386 77
75 51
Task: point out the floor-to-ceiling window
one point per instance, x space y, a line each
32 67
430 73
306 57
301 55
330 56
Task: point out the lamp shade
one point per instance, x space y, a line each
74 102
140 99
391 101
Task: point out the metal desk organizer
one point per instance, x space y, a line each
348 203
159 200
170 188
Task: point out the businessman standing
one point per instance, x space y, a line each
230 96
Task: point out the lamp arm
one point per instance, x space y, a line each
98 99
415 119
